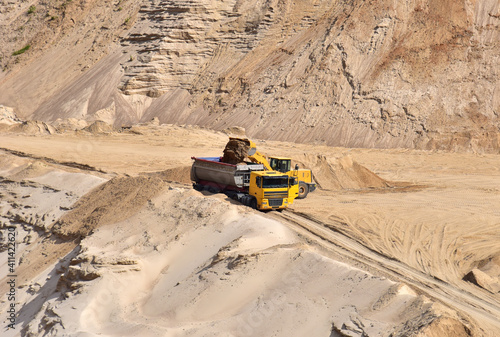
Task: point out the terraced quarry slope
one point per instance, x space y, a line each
416 74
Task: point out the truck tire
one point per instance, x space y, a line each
303 190
253 203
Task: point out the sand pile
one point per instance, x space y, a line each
33 128
33 169
486 275
8 116
111 202
340 173
180 174
236 151
99 127
107 115
17 168
69 124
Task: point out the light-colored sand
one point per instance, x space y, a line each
444 229
141 149
202 265
188 265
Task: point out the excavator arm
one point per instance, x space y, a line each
256 157
303 176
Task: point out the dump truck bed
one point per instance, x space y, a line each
211 169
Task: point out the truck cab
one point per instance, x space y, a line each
272 190
280 164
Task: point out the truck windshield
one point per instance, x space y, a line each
275 182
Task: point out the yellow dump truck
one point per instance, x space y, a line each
248 183
282 165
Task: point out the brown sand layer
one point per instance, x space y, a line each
235 151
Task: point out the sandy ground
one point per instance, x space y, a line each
436 213
445 226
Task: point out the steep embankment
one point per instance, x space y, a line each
380 74
45 46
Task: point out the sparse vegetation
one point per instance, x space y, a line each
66 3
32 9
21 51
127 20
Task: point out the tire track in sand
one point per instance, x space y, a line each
482 309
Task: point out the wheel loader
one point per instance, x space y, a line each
282 165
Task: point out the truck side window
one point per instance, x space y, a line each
273 164
258 181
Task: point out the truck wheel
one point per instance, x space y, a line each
253 203
303 190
